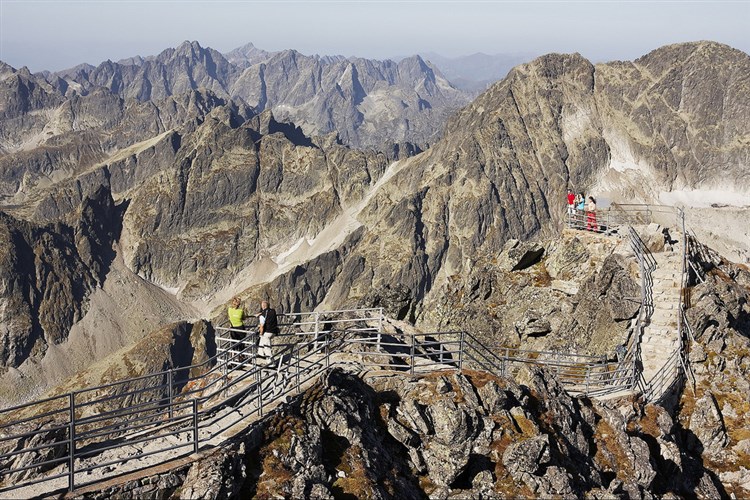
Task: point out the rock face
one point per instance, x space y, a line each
47 275
577 298
451 435
687 87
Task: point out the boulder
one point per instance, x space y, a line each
517 255
709 434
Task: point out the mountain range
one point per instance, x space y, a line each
138 197
366 102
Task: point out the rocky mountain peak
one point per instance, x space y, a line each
247 55
6 69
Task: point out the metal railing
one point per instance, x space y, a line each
608 220
191 407
677 365
91 429
676 369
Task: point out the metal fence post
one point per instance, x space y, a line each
260 391
297 370
195 426
461 352
380 327
72 442
225 360
413 340
170 380
588 367
327 352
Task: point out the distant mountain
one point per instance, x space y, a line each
365 102
247 55
475 72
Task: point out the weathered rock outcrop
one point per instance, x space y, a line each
579 297
449 435
715 412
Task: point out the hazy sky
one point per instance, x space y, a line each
59 34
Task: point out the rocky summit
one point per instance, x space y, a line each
138 197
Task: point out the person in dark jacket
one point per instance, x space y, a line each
268 326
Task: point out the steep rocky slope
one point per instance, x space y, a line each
715 409
85 132
578 296
48 274
676 117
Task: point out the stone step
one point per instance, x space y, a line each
664 275
656 350
662 321
658 340
663 317
658 345
666 285
659 334
652 335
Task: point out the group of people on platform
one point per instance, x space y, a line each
578 208
268 325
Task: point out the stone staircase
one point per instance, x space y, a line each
661 335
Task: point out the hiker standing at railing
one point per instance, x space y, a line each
236 314
580 204
268 326
571 206
591 215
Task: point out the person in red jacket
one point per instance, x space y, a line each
571 206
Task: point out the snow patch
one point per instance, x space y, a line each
621 155
172 290
281 258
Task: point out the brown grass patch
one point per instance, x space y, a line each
648 423
480 379
357 482
277 475
610 455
